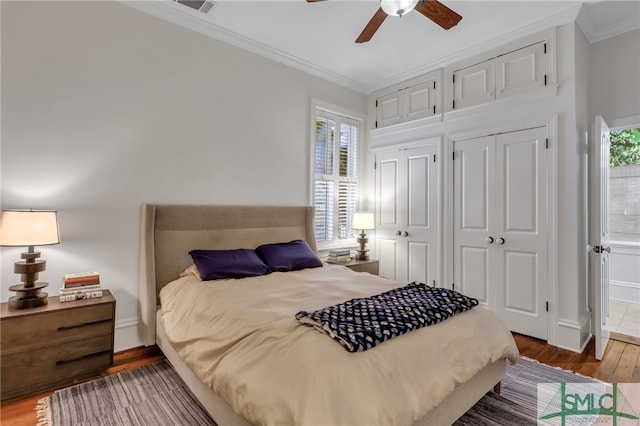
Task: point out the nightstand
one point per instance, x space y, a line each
371 266
56 344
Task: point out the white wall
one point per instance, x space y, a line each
625 271
105 108
615 76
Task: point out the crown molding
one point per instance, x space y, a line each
594 34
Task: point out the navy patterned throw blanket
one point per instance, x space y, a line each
362 323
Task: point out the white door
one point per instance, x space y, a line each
474 184
388 212
599 232
420 203
407 214
521 231
500 226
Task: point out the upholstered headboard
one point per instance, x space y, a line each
169 232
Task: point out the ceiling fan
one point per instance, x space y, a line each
432 9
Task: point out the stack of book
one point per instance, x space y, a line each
85 285
339 256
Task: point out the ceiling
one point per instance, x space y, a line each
319 37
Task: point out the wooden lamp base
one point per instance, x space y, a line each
29 294
28 297
362 253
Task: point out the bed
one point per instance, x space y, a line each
225 380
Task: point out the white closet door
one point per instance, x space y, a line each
407 185
421 206
500 226
474 200
388 212
521 230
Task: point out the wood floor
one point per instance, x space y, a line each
620 364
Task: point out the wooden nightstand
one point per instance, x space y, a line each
371 266
53 345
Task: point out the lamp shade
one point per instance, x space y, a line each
29 228
363 220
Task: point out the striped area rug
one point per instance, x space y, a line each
155 395
517 402
151 395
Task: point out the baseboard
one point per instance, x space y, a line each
127 335
624 291
573 335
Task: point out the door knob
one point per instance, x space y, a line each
406 234
500 240
398 233
489 240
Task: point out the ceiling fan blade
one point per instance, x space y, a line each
373 25
439 13
312 1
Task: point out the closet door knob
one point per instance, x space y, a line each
489 240
406 234
398 233
500 241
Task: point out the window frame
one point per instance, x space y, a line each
319 109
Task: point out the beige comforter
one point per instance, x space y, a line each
240 338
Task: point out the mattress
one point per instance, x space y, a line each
241 339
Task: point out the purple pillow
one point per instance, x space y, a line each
238 263
291 256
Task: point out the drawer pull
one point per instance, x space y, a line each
86 324
67 361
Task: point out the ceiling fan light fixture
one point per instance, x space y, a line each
398 7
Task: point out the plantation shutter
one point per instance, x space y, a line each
335 177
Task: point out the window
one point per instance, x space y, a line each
335 179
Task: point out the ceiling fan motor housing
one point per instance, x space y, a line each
397 7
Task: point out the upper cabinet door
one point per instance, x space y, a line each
420 100
515 72
521 70
388 110
474 85
408 103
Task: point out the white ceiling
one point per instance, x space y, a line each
319 37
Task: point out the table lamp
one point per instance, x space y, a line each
29 228
363 221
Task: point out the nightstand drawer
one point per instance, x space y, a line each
45 368
33 332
